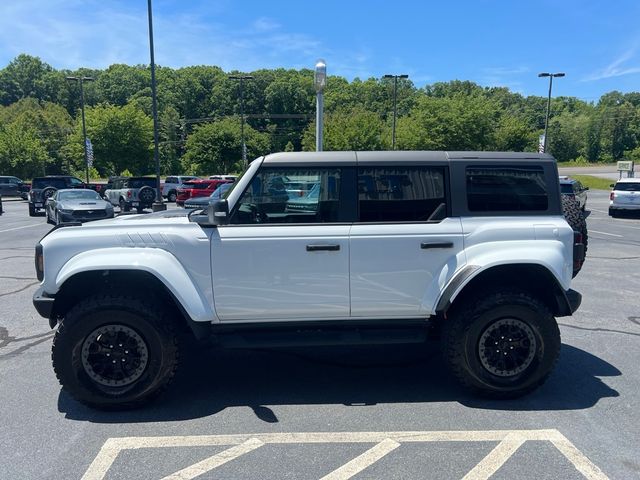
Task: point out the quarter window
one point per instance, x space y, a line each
274 196
506 189
401 194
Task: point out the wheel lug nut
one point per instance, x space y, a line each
126 351
123 360
121 344
114 361
108 354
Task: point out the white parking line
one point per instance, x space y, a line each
510 441
496 458
605 233
20 228
210 463
361 462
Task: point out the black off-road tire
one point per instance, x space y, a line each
32 210
105 311
47 193
466 324
146 194
575 219
172 196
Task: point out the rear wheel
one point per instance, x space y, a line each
502 344
32 210
114 352
172 196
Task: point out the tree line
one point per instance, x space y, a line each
199 119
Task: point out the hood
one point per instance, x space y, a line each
80 204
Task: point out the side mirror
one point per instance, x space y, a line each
218 212
612 185
586 188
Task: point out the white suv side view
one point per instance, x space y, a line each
471 247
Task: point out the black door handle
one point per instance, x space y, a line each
316 248
425 245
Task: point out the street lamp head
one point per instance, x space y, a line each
544 74
87 79
320 76
558 74
403 76
72 78
387 76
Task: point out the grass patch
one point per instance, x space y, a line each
595 183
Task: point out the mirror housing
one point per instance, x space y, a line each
218 212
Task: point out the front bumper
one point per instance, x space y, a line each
43 303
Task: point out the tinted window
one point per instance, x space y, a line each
171 180
627 187
266 199
57 183
507 189
75 181
400 194
140 182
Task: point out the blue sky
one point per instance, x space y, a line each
494 43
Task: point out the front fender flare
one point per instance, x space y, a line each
159 263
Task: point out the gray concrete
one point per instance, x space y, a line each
591 398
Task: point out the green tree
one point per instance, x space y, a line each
21 152
28 76
356 130
121 137
216 147
514 135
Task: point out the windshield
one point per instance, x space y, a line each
221 191
197 185
627 187
566 188
78 195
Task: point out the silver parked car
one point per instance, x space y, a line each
76 205
625 196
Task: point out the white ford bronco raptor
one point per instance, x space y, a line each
386 247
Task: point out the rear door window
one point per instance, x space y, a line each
506 189
401 194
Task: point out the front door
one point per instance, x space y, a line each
283 256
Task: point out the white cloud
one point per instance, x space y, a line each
616 68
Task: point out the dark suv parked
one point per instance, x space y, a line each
44 187
13 187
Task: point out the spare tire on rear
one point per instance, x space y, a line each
146 194
575 218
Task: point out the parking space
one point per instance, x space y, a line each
375 412
378 452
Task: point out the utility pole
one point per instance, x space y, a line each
546 120
81 81
320 82
158 205
242 78
395 105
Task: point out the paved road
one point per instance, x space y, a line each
253 414
604 171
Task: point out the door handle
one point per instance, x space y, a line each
317 248
426 245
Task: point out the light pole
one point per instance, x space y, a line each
546 121
320 82
158 205
81 81
241 79
395 104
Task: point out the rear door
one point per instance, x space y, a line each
405 247
275 263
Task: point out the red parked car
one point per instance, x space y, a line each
197 188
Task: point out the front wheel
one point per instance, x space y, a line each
501 345
114 352
172 197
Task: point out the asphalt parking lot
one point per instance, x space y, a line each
335 413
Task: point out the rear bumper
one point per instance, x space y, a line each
574 299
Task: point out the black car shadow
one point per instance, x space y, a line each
211 380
